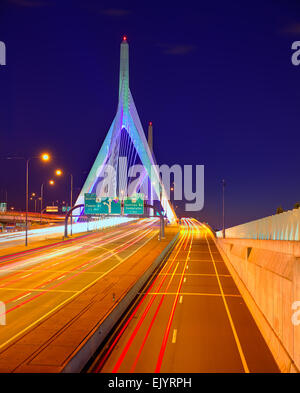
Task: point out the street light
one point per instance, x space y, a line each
223 189
34 198
51 182
59 172
43 157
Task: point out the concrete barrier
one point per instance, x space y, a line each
84 354
283 226
267 273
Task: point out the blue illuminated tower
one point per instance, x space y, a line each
126 138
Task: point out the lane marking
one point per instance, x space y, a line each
22 297
137 306
184 280
171 316
38 290
91 263
242 356
59 278
189 294
180 299
26 275
174 336
75 294
145 312
197 274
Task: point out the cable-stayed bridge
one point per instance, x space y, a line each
126 152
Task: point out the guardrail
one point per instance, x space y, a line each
283 226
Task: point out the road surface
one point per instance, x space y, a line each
35 283
9 240
190 318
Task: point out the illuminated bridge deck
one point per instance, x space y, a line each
191 318
57 295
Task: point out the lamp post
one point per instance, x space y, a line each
223 191
59 172
51 182
44 157
34 198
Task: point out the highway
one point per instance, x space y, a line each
35 283
14 239
189 318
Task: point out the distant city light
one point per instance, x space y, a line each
58 172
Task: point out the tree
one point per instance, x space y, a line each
279 210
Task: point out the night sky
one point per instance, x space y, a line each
214 77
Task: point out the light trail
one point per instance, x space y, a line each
74 249
119 249
141 301
143 316
78 227
168 328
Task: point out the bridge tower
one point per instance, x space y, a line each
125 143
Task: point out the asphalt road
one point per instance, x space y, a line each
191 318
36 283
52 231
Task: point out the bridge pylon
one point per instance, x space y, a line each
125 141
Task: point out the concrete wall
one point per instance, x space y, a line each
283 226
267 273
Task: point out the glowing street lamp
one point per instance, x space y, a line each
45 157
58 172
51 182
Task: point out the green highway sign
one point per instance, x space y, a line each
3 207
134 204
94 205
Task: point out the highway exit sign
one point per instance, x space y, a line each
3 207
134 204
95 205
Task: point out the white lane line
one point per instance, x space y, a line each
61 277
239 347
180 299
76 293
184 280
19 298
27 275
174 336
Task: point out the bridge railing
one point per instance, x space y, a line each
283 226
